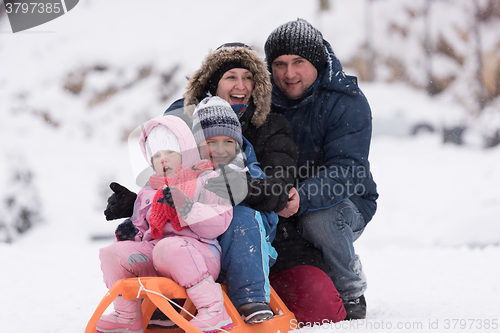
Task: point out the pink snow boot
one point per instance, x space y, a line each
208 299
127 318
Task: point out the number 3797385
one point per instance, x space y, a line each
33 7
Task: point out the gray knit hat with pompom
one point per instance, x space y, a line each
214 116
298 38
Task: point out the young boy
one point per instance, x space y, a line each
172 232
217 132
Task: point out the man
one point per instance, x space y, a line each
331 122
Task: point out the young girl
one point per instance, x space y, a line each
172 232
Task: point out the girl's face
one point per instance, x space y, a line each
236 86
166 162
218 149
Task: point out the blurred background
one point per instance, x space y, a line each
72 90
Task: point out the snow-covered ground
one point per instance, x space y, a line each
430 254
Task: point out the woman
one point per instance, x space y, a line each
237 74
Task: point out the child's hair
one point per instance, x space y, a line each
161 138
214 116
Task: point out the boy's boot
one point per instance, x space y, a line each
127 318
255 312
208 299
159 319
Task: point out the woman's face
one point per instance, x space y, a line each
236 86
218 149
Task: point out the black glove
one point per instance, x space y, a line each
120 203
126 231
267 195
231 184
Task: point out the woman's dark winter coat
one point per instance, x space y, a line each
270 134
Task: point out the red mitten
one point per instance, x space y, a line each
159 216
163 210
175 198
176 201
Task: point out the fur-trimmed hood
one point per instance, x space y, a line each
261 96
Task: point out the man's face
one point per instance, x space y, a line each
293 75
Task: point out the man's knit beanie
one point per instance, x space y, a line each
161 138
214 116
296 38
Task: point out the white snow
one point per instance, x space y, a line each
430 254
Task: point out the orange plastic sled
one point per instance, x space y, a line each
151 289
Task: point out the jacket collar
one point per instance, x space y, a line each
246 118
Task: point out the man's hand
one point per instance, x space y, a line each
292 205
231 184
120 203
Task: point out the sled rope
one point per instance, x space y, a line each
141 288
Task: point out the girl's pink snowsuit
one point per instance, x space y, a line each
187 256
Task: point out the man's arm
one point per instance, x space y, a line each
346 148
277 156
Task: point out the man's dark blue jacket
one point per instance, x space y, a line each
332 127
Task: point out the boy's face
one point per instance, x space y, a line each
218 149
166 162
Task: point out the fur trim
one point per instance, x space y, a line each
261 95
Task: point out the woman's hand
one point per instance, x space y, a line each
120 203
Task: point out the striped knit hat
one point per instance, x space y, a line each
296 38
214 116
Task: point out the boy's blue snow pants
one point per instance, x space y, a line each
247 254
